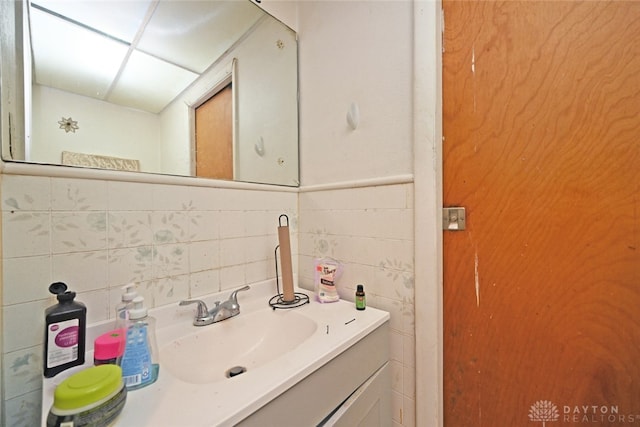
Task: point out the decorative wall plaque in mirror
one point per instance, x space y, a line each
124 80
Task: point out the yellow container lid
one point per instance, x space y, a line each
88 387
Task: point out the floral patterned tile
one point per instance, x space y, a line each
130 265
81 271
98 305
129 229
318 243
396 375
170 260
21 328
22 371
78 231
171 290
396 347
261 270
204 282
409 350
24 410
352 275
402 250
232 224
395 309
171 198
129 196
78 195
26 279
25 234
260 248
233 252
261 223
409 381
232 277
393 279
26 193
170 227
203 225
397 408
204 255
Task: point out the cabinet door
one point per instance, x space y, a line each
368 406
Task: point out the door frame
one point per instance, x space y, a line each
427 142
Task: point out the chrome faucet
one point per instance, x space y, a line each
220 312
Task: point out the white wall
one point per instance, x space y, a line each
286 11
357 194
267 106
355 51
104 129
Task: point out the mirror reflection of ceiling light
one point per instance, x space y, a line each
96 59
145 94
140 53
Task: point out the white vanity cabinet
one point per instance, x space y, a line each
368 406
352 389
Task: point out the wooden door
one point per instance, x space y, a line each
214 136
541 105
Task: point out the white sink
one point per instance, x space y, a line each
240 343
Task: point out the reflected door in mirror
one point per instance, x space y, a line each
214 136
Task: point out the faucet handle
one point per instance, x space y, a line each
202 312
234 295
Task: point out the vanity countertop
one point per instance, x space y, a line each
173 402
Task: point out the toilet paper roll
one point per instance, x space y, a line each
285 262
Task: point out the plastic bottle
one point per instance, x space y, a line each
109 347
139 363
122 309
361 301
65 332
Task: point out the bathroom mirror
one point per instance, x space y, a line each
127 85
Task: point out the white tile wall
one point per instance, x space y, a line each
175 242
370 231
183 242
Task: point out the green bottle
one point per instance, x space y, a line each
361 301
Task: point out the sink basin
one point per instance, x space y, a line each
238 344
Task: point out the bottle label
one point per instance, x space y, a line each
62 339
136 361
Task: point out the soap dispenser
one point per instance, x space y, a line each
139 363
65 332
122 309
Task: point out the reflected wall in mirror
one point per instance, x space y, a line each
121 81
